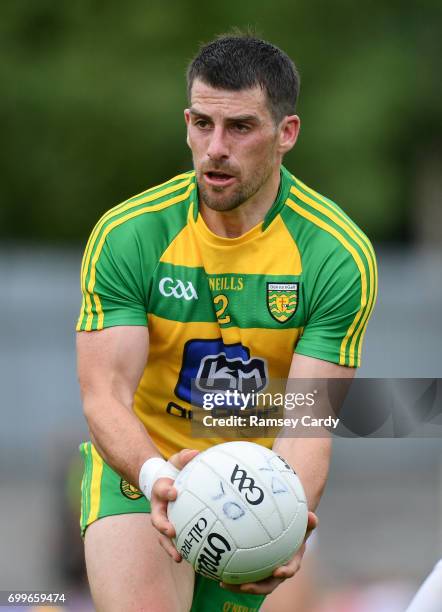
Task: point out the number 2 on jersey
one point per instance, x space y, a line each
224 301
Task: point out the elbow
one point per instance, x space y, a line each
91 404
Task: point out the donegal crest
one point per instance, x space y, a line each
282 300
129 491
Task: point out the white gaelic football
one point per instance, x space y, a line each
241 512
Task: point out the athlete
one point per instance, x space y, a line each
236 266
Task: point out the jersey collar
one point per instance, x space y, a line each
283 192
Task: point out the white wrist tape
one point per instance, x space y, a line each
151 470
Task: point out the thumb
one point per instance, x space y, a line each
179 460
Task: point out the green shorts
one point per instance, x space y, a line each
105 493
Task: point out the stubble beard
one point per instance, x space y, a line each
232 200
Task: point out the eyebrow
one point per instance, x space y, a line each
237 118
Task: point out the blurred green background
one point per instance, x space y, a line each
92 98
91 113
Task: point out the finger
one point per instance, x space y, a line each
179 460
162 493
170 548
234 588
284 572
288 570
263 587
159 518
163 526
312 522
163 489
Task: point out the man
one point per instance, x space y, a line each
236 264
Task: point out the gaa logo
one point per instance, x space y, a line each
129 490
176 288
254 494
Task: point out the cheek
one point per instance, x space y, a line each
257 152
196 142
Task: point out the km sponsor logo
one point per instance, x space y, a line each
221 373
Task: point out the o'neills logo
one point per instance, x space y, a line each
210 557
193 536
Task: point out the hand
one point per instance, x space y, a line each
163 492
281 573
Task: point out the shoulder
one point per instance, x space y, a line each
323 231
149 219
170 199
133 234
339 275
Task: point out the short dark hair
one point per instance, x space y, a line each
242 61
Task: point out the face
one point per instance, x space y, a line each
235 143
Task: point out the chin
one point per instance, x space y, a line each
221 205
217 198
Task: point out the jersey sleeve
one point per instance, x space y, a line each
113 282
341 298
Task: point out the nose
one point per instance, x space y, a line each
218 148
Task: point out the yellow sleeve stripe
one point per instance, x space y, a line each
82 309
83 490
117 210
336 210
89 308
331 230
184 176
90 286
97 473
364 244
99 311
333 207
129 203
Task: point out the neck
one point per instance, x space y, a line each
236 222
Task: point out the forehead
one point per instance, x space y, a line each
225 102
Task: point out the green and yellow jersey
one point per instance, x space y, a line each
231 309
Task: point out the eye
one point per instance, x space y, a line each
243 128
202 124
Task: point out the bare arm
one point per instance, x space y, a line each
310 457
110 365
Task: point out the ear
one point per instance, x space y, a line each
187 120
288 132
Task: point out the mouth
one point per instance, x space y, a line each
218 179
